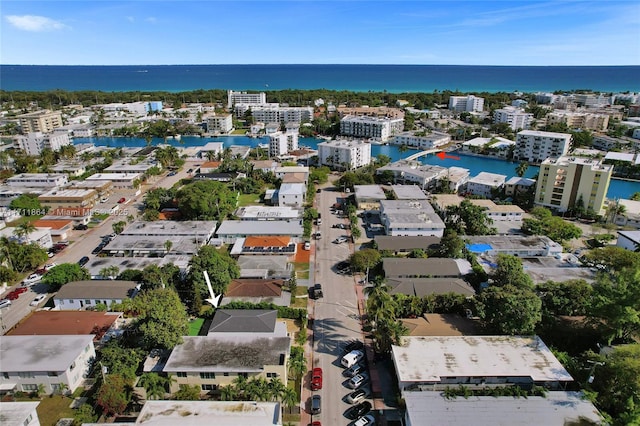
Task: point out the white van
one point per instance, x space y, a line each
352 358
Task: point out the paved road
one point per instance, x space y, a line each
335 315
20 308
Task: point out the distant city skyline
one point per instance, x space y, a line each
329 32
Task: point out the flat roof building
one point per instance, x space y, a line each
231 229
554 409
219 413
38 180
118 180
376 128
44 121
408 192
57 198
33 143
485 183
410 218
535 146
268 213
432 267
30 361
368 197
344 154
431 363
413 172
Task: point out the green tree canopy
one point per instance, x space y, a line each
188 393
469 219
61 274
206 200
617 382
114 394
556 228
451 245
162 319
510 272
220 267
364 259
26 203
616 304
614 258
571 297
121 360
510 310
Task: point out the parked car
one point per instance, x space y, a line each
31 279
353 346
316 292
316 379
358 410
122 200
104 199
340 240
316 404
358 396
5 303
39 298
352 358
307 245
81 227
172 174
49 266
97 250
83 260
358 380
367 420
354 370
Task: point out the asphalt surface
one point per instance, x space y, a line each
335 315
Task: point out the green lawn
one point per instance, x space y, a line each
239 132
50 410
300 302
195 326
248 199
302 270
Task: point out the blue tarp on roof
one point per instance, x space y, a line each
479 248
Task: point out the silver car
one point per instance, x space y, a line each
358 380
358 396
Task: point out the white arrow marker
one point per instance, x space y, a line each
214 300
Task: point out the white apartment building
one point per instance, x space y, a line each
468 103
51 361
38 180
118 180
44 121
345 155
516 118
234 98
274 113
33 143
220 123
429 141
281 143
565 180
377 128
485 183
535 146
579 120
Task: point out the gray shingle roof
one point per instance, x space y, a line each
243 321
96 289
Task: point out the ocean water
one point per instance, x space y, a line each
392 78
617 188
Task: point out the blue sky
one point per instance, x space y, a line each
101 32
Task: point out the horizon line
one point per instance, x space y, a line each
311 64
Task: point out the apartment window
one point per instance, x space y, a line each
87 302
225 374
52 374
29 387
5 375
245 375
181 374
208 387
207 375
272 375
27 375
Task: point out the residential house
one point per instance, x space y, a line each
70 323
518 185
230 230
84 294
21 413
422 287
368 197
259 322
79 215
433 267
408 192
485 184
630 217
399 245
410 218
262 246
59 229
292 194
257 291
213 361
57 362
268 213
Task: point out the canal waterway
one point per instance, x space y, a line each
617 188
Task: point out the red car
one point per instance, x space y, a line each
316 379
122 200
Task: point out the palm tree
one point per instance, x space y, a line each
154 384
240 384
167 245
228 393
290 398
211 155
522 168
23 230
276 388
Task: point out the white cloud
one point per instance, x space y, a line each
151 19
130 18
35 23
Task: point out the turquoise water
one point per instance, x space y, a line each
361 78
617 188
